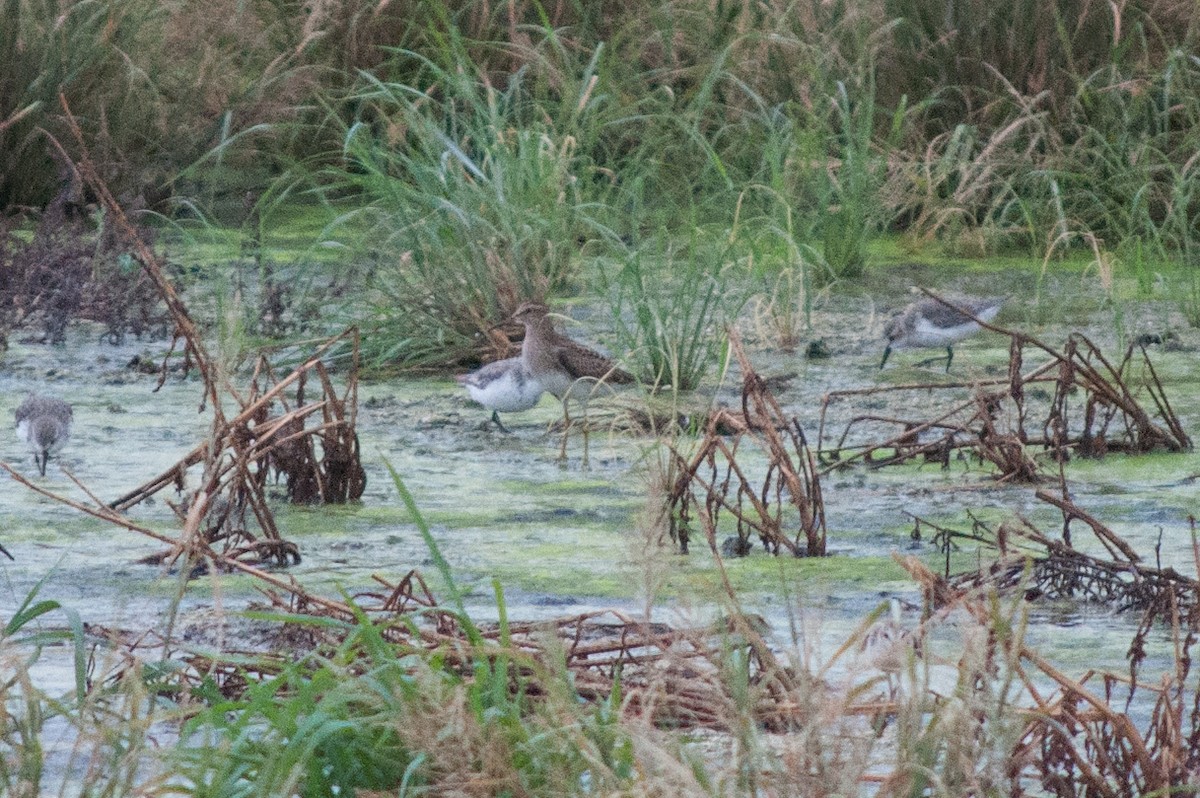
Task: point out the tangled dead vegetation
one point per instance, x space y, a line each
1043 566
270 429
1081 739
1039 730
1075 403
320 462
783 506
670 676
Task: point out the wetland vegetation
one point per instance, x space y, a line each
337 579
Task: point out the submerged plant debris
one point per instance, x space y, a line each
1043 566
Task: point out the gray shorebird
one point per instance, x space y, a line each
886 643
929 323
503 386
44 423
890 648
556 361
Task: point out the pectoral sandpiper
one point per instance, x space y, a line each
561 364
44 424
505 385
556 361
928 323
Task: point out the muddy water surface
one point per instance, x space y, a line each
561 539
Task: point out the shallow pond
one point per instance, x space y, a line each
561 539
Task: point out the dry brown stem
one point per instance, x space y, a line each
1054 568
321 463
716 477
996 420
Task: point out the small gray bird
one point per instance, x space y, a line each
504 385
928 323
44 423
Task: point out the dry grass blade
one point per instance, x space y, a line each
185 328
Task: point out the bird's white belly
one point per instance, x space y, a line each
926 334
25 431
507 395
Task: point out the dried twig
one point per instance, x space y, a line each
790 480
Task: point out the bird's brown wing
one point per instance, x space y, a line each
579 361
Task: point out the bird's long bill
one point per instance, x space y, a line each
41 460
887 350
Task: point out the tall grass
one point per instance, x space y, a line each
1129 162
249 74
852 218
482 192
474 197
25 709
671 303
490 151
80 50
967 55
782 270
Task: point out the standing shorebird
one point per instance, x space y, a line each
505 385
560 364
887 646
556 361
928 322
44 424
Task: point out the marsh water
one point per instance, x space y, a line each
560 538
